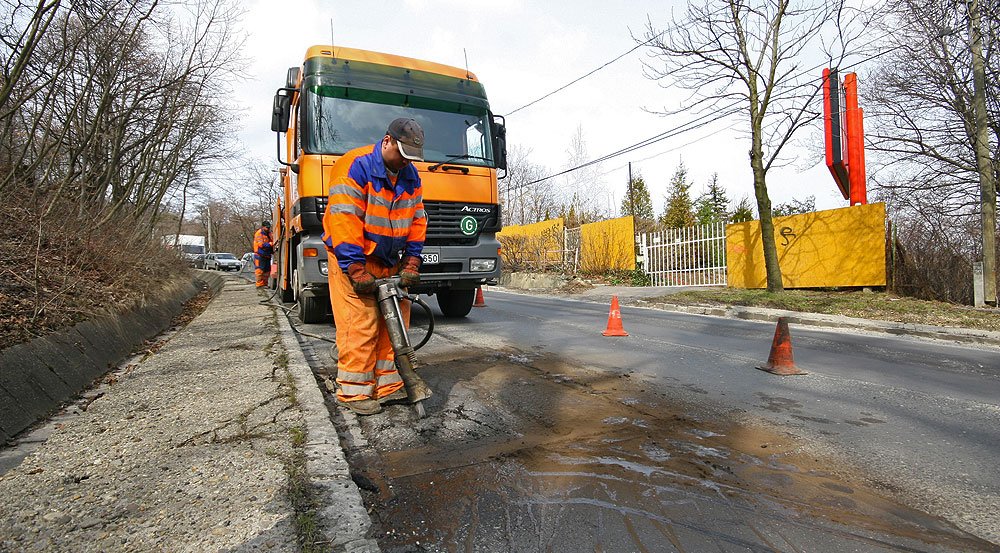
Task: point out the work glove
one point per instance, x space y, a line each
409 273
362 281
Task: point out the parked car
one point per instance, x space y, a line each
222 262
198 261
247 261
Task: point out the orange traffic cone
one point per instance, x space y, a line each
780 360
480 302
615 320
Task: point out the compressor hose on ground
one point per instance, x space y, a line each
430 320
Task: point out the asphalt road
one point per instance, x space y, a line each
544 435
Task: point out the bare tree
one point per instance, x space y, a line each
583 189
934 150
24 26
132 108
243 201
745 56
525 198
109 109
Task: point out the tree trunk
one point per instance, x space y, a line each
771 265
981 145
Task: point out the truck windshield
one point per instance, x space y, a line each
333 124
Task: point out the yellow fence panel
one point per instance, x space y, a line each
837 247
537 244
608 245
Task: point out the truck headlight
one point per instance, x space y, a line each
482 265
322 267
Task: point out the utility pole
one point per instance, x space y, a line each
981 145
208 209
631 198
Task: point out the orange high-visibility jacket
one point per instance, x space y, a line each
262 249
366 215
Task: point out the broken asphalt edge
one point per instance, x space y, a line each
343 519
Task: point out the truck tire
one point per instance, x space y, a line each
455 304
311 309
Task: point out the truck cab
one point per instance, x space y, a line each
344 98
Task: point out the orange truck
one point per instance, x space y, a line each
342 98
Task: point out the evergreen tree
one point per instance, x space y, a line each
743 212
679 211
794 207
637 201
570 220
703 213
719 200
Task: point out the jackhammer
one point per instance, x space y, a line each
389 294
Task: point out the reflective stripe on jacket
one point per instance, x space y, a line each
366 214
262 243
262 250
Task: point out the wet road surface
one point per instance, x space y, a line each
522 451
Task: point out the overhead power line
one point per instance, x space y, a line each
690 125
694 124
589 73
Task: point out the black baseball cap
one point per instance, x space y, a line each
409 136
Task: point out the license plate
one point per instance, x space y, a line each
430 258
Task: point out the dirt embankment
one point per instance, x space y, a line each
58 270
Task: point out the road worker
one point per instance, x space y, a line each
262 250
374 227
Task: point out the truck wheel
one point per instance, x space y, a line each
455 303
311 309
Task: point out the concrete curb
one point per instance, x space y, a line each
37 377
343 518
961 335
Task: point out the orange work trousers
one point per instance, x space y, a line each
366 364
262 277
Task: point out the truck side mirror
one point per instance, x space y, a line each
292 77
281 111
499 139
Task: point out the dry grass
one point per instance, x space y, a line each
867 305
59 270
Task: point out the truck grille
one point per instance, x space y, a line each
444 221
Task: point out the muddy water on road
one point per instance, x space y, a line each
521 453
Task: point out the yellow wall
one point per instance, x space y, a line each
837 247
536 244
608 245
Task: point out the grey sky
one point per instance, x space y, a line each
521 50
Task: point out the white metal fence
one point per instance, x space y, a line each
691 256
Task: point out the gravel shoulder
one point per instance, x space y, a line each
186 449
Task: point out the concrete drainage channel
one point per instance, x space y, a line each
55 368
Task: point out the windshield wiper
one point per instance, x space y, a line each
437 166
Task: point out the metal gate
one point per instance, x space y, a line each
691 256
